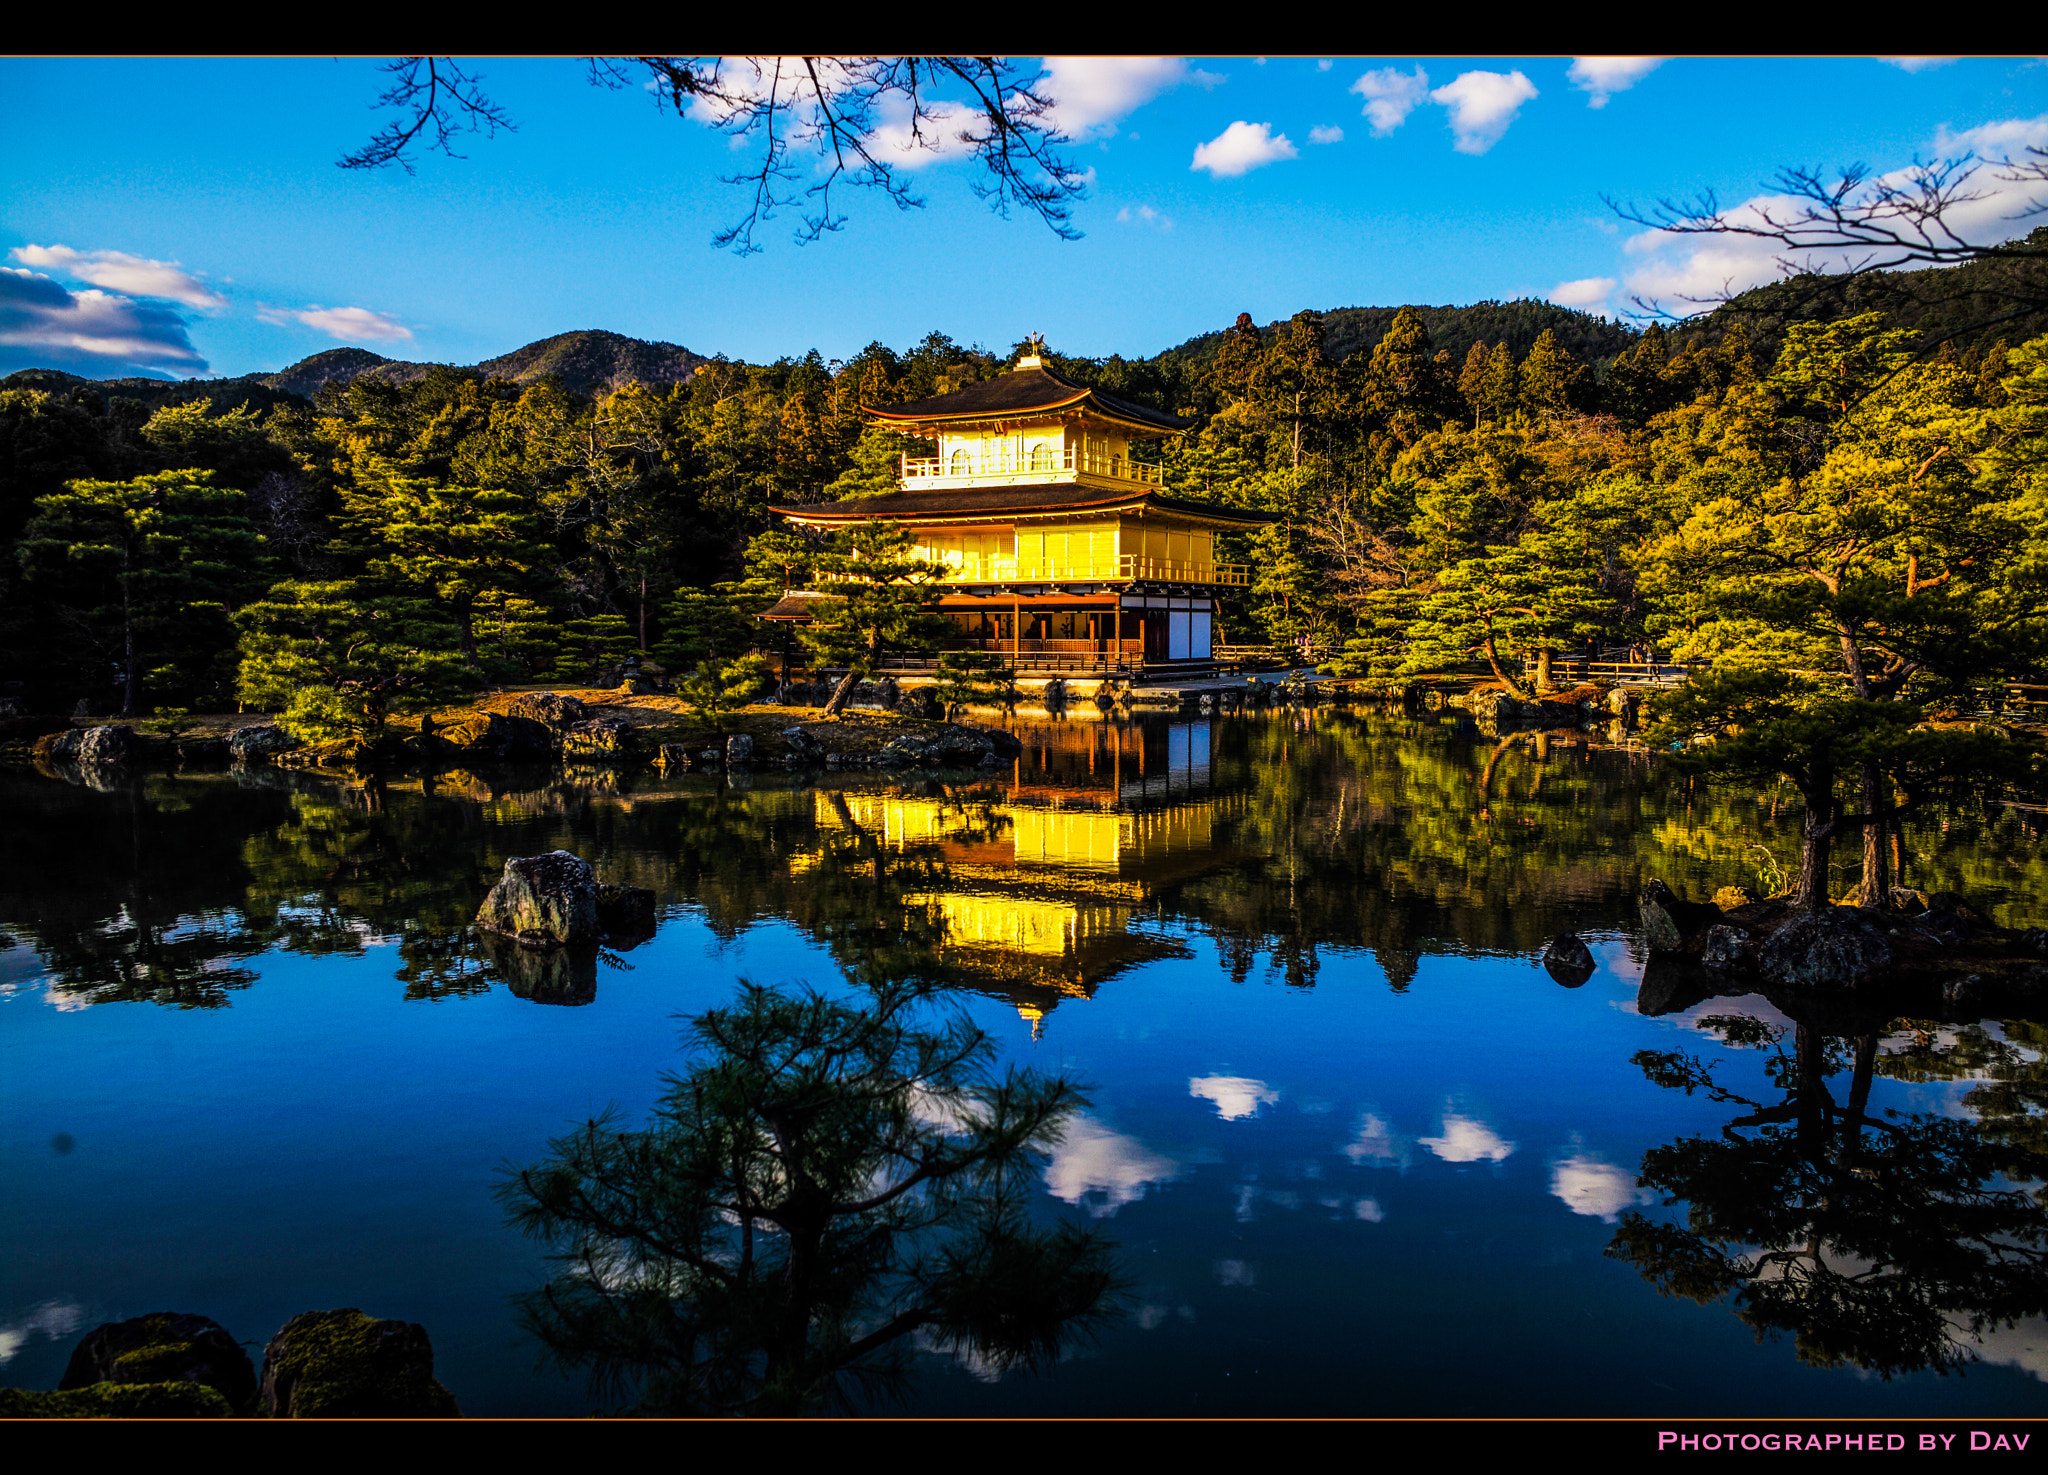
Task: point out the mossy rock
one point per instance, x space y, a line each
344 1364
164 1347
117 1401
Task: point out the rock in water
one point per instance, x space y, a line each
803 748
1568 960
260 743
343 1364
164 1347
1724 946
492 735
1671 924
739 750
544 901
107 747
1830 950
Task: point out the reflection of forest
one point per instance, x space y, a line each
1278 833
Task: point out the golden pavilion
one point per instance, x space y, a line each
1065 553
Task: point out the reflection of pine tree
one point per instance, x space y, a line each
1885 1242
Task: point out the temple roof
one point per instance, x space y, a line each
1027 391
981 503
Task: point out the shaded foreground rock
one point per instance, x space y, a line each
493 736
1827 950
543 901
164 1347
343 1364
1568 960
117 1401
1671 924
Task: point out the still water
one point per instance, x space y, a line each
1360 1153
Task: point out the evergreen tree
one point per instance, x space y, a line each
339 657
1553 381
143 574
882 600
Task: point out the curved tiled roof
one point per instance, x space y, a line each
1024 392
997 501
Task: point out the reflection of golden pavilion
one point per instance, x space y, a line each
1043 894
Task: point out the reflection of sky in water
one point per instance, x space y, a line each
1413 1220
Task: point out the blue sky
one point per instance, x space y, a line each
186 217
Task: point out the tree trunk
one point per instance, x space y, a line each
1816 842
643 614
1876 890
1543 681
841 693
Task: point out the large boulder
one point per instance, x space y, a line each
1671 924
1828 950
164 1347
343 1364
260 742
606 739
59 747
549 708
1725 947
108 747
543 901
495 737
739 750
922 702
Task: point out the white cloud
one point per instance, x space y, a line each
1482 106
1326 135
1597 1189
1468 1140
92 333
1588 293
1235 1096
937 139
1918 63
1145 215
1603 76
342 322
2024 1346
1241 148
52 1319
137 276
1092 1160
1390 96
2007 139
1325 64
1377 1143
1090 93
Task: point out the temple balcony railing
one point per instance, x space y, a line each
1125 568
1014 468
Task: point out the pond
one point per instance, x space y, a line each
1359 1152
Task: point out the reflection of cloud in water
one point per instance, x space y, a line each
1601 1190
53 1319
1369 1210
2024 1346
1236 1273
1468 1140
1248 1194
1376 1143
1235 1096
1092 1160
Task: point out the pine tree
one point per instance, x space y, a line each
882 600
143 574
1552 380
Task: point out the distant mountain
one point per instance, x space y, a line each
590 362
308 377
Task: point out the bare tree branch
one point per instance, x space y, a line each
443 103
814 122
